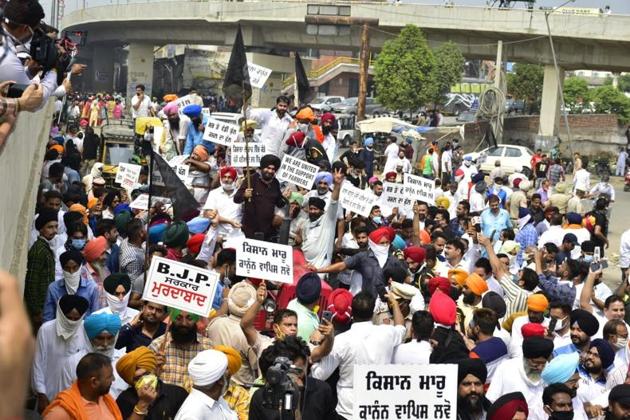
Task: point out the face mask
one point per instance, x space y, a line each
78 244
303 128
116 305
227 186
377 219
560 324
72 281
561 415
588 259
469 299
66 328
621 343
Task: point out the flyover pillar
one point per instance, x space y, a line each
102 70
139 67
550 106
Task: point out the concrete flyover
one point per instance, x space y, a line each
582 41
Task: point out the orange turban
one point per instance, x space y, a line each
425 238
169 97
537 303
92 202
95 248
305 114
476 284
202 152
233 356
140 358
80 209
458 275
57 147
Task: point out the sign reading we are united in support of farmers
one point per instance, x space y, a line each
297 171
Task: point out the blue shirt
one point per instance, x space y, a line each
568 349
57 289
195 138
527 236
495 223
113 259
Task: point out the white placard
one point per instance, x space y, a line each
220 132
405 392
297 171
183 102
258 75
265 260
238 156
182 171
419 188
356 200
127 175
180 286
394 196
142 201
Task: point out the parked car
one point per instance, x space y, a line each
347 129
516 106
512 157
372 108
326 103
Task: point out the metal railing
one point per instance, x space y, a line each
320 71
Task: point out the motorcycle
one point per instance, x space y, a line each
626 181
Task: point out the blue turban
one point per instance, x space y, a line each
398 243
156 233
121 208
324 176
368 141
561 368
198 225
97 323
192 110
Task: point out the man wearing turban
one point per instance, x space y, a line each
146 393
56 339
261 199
117 289
221 208
537 304
523 374
584 325
199 173
471 400
593 369
196 127
208 371
95 253
175 238
473 289
512 406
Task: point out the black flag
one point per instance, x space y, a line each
303 86
166 183
236 85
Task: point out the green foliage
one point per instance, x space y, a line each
526 82
609 100
624 82
576 94
449 66
403 71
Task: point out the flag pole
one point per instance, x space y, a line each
150 198
244 109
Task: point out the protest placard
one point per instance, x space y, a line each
181 286
265 260
356 200
419 188
258 75
239 157
405 392
395 196
183 102
127 175
142 201
220 132
297 171
182 171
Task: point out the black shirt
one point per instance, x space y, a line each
132 337
91 142
541 169
170 399
258 212
318 404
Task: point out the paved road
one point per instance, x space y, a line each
618 224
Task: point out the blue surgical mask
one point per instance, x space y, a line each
378 220
78 244
588 258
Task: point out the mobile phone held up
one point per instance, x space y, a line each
327 315
16 90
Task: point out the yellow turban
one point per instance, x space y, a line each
233 356
80 209
537 303
458 275
140 358
443 202
476 284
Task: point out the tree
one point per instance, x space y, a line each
403 71
624 82
576 93
449 66
526 82
610 100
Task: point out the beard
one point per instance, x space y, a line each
266 176
326 130
532 375
471 403
469 299
183 334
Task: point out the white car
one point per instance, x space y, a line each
511 157
326 103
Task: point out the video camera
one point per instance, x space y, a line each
280 391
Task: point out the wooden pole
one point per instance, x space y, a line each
244 109
364 62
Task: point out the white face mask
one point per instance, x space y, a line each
560 324
65 327
380 252
116 305
621 343
228 186
72 281
303 128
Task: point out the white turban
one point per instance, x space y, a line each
207 367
